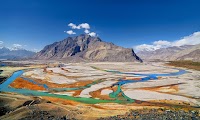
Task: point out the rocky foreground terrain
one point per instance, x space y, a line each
156 114
86 48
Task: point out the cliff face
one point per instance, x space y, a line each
86 47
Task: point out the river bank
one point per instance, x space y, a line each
108 89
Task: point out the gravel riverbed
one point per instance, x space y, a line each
157 114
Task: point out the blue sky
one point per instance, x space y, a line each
36 23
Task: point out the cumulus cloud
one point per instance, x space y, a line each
73 26
70 32
93 34
86 31
192 39
84 26
80 26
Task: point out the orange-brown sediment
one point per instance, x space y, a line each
62 101
54 85
21 83
97 93
170 88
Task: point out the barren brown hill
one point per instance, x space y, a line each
187 52
85 47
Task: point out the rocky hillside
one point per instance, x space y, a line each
187 52
6 53
85 47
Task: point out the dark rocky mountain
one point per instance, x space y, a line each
87 48
6 53
186 52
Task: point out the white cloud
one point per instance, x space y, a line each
93 34
162 43
192 39
73 26
187 40
156 45
70 32
84 26
16 47
145 47
1 42
80 26
86 31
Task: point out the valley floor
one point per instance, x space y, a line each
96 90
186 64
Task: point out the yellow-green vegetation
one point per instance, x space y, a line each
8 71
186 64
97 68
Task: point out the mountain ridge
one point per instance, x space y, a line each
86 47
186 52
6 53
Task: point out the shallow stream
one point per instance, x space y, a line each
4 87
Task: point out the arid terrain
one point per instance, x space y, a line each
95 90
99 60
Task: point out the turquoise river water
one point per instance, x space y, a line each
4 87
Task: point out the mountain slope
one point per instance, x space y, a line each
192 53
6 53
85 47
187 52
